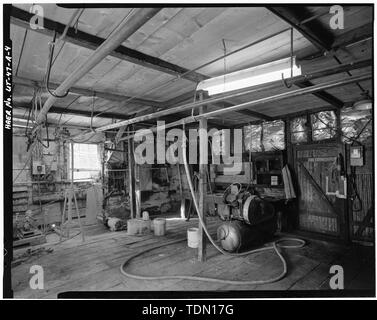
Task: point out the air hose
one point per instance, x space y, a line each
275 245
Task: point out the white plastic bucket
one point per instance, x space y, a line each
145 215
138 227
159 226
132 227
193 237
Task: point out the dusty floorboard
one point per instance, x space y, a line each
94 265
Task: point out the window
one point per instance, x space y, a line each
86 161
273 135
323 125
356 124
253 134
268 136
299 130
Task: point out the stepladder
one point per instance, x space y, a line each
67 217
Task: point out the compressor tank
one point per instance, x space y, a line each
236 236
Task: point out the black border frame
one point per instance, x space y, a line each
7 186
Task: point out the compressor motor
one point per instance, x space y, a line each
251 220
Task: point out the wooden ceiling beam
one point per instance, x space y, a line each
85 92
121 33
323 95
85 113
312 30
348 39
353 37
117 116
249 113
184 98
22 18
316 34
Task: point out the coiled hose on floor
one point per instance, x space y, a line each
275 245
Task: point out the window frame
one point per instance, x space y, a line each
72 171
308 115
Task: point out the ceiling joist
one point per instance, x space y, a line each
22 18
85 113
86 92
312 30
323 95
316 34
128 26
77 37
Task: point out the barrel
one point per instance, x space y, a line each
193 237
159 226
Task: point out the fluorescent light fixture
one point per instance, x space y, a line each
254 76
364 103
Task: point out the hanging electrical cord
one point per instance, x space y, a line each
275 245
357 204
194 100
75 21
91 115
51 60
224 48
49 65
47 137
29 114
65 109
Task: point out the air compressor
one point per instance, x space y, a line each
251 220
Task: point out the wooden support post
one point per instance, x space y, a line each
70 195
203 159
183 200
137 191
124 159
131 174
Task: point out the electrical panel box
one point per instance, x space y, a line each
356 156
38 168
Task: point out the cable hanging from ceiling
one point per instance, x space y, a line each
48 71
51 60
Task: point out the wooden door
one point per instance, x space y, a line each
319 212
361 215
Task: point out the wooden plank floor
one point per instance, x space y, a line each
94 265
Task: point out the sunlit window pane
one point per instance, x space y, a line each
356 124
299 130
323 125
